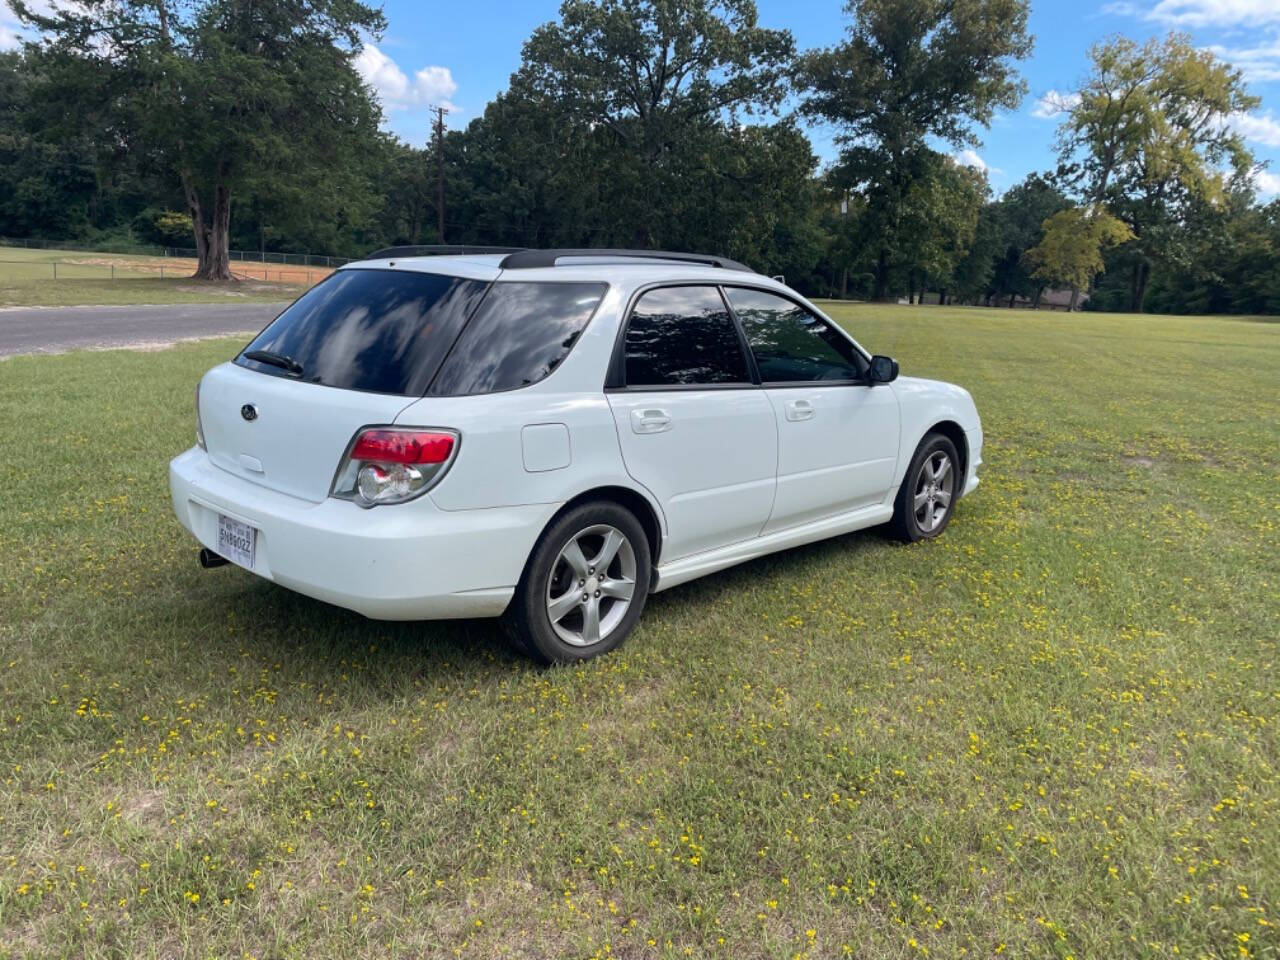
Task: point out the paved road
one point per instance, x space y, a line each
55 329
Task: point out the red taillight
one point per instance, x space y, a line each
392 465
403 446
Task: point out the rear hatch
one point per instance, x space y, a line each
353 351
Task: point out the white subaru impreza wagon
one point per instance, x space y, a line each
552 435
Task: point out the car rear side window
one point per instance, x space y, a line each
791 344
683 336
520 333
381 331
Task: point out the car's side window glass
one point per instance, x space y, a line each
790 344
679 336
519 334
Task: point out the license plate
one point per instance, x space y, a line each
236 541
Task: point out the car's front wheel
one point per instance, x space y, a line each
929 491
584 585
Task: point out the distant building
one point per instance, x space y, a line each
1049 300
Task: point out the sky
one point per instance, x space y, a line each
460 55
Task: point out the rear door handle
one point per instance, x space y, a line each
650 421
799 410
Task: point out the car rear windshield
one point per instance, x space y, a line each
382 331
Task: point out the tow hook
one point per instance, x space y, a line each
209 559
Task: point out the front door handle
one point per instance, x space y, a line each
650 420
799 410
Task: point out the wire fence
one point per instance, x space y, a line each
73 270
77 260
261 256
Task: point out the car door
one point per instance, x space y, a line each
693 426
837 434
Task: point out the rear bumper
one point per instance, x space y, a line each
408 562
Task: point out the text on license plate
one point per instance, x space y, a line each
236 541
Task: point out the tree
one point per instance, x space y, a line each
1233 253
971 279
1022 212
48 186
626 101
910 70
648 83
1148 139
1071 252
212 94
940 220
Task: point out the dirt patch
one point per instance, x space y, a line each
263 273
143 806
151 346
213 289
108 262
145 346
1145 462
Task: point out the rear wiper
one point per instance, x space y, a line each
276 360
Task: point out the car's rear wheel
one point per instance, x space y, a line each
929 491
584 585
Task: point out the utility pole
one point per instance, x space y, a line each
844 272
440 112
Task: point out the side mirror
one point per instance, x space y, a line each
883 369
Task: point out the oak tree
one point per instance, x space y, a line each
908 71
1071 252
1149 138
218 96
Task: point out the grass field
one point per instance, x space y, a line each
30 277
1053 733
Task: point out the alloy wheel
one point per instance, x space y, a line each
935 484
591 585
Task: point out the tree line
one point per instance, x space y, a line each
676 124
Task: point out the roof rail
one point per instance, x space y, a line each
436 250
528 259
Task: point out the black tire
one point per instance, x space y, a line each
908 524
527 619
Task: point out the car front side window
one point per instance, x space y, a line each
792 344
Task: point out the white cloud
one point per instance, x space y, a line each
969 157
1257 128
1260 64
1266 182
1054 103
1215 13
429 87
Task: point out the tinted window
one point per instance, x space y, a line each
520 333
683 335
385 331
790 343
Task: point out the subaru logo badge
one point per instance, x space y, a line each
249 412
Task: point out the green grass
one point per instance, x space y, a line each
27 279
1052 733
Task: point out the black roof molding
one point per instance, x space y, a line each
436 250
529 259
